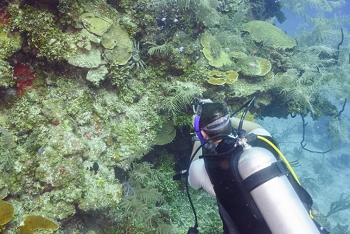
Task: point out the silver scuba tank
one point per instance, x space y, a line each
276 199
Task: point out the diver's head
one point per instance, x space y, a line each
214 120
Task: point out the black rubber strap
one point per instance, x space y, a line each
258 178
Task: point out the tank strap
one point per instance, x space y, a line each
258 178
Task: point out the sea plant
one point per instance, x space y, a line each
145 206
342 204
338 131
179 95
162 50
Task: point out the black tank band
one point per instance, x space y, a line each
258 178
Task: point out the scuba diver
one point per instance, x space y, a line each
256 189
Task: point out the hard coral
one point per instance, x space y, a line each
254 66
220 78
266 33
6 212
33 223
23 77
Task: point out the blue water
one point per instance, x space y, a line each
293 22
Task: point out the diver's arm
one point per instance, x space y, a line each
198 177
247 125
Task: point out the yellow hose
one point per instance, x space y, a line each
281 155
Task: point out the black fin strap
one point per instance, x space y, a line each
258 178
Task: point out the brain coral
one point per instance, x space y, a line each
261 31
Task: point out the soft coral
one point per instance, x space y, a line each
23 77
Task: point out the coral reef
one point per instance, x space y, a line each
90 86
39 26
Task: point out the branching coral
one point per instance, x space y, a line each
324 31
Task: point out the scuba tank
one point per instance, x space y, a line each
276 198
267 180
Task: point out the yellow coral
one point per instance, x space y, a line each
268 34
216 57
220 78
33 223
254 66
231 76
238 55
216 74
270 75
6 212
216 81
